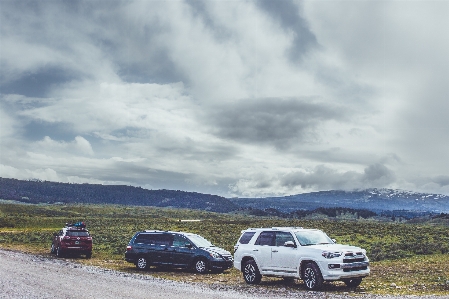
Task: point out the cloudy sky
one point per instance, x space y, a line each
234 98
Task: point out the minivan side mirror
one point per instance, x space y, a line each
290 244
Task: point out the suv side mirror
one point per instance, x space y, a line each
335 241
290 244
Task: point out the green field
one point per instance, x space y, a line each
405 258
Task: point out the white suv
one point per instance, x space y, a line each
294 252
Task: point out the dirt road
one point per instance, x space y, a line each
31 276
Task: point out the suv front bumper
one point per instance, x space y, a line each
338 271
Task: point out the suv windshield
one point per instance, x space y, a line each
199 241
312 238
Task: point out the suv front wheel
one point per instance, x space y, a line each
312 276
251 273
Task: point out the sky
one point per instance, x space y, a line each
233 98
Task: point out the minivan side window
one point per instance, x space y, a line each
162 239
265 238
143 239
179 241
246 237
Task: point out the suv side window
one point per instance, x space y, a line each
282 237
246 237
179 241
265 238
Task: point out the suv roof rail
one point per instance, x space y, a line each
287 227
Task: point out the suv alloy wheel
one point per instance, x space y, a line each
251 273
312 276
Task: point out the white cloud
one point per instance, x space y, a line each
201 96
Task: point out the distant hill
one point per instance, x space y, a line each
35 191
381 201
376 200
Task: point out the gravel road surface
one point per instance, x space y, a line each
33 276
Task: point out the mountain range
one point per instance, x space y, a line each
376 200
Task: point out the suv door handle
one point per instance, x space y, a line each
274 250
255 249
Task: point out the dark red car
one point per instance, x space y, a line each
72 239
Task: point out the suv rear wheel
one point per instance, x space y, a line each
312 276
251 273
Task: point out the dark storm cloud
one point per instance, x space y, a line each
286 13
442 180
279 122
378 173
325 178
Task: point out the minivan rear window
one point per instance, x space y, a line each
246 237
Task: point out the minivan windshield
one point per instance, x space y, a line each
312 237
199 241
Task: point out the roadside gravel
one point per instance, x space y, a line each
34 276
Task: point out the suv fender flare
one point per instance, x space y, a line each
303 261
247 258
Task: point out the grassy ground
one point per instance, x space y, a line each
406 259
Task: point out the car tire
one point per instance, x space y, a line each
59 252
312 277
142 263
52 249
352 282
251 272
200 266
88 255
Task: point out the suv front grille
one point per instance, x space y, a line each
352 257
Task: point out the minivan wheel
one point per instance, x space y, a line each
251 273
312 276
352 282
201 266
142 263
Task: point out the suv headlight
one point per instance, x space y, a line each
331 255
